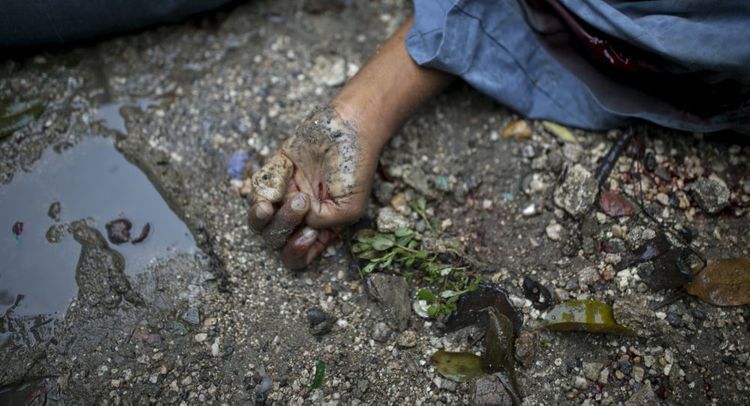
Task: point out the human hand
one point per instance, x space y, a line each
317 182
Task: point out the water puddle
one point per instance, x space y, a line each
38 259
109 115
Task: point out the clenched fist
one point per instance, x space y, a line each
318 181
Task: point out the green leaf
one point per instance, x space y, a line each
404 232
365 236
320 374
589 316
427 295
369 268
382 242
359 247
447 293
499 351
457 366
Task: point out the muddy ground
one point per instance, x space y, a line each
208 326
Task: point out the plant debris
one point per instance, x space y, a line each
518 129
16 114
458 366
320 374
118 231
590 316
616 205
724 282
560 131
471 308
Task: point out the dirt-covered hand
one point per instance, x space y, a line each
317 182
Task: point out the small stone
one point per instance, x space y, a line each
320 322
572 152
201 337
645 396
603 376
401 204
381 333
54 211
445 384
407 339
192 316
392 294
55 233
711 193
488 390
389 220
554 231
588 276
329 70
529 210
118 231
578 191
580 382
591 370
638 374
619 375
526 348
663 199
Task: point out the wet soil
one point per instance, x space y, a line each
212 325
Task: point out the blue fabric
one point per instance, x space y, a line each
492 47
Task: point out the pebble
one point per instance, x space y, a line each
603 376
320 322
329 71
488 390
588 276
638 374
381 333
711 193
580 382
201 337
577 192
529 210
554 231
407 339
192 316
591 370
54 211
389 220
392 294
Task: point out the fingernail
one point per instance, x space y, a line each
308 234
299 202
262 211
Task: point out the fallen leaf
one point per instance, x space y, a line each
16 114
671 270
458 366
499 351
615 204
518 129
561 132
646 252
471 308
590 316
725 282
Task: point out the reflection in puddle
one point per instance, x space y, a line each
110 116
37 266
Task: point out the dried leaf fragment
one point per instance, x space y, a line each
725 282
590 316
616 205
458 366
518 129
560 131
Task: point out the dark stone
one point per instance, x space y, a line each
392 294
320 322
118 231
54 211
192 316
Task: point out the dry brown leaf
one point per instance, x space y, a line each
725 282
518 129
